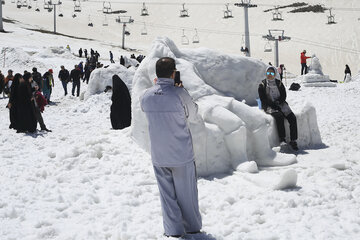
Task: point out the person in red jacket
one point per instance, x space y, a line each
304 68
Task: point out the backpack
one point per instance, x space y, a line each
294 87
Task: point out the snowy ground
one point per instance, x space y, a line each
86 181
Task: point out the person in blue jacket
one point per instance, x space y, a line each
168 107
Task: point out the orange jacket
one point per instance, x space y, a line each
303 58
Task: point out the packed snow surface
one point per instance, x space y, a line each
87 181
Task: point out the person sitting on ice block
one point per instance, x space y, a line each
272 94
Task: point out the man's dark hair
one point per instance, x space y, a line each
165 67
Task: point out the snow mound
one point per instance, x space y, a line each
102 77
52 52
316 77
19 60
228 132
287 180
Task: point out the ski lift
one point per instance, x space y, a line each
105 22
126 32
144 30
243 48
184 39
74 15
77 7
331 18
90 24
196 38
277 16
46 5
37 9
267 47
60 12
29 5
107 7
18 4
227 12
184 12
144 11
24 3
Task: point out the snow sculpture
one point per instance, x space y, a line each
228 132
315 77
102 77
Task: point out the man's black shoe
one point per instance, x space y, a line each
45 129
174 236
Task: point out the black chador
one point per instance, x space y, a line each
120 114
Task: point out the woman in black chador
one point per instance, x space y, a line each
12 104
24 107
120 114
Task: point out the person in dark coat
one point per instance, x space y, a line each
120 114
37 101
64 78
85 53
75 76
347 71
25 119
37 78
80 52
92 53
12 97
122 60
2 82
272 94
111 57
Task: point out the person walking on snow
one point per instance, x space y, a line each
272 94
304 68
168 109
75 76
48 84
111 57
80 52
64 78
85 53
37 78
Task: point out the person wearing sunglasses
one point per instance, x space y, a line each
272 94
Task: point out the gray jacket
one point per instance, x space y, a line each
167 109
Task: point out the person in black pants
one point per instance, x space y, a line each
273 95
75 76
64 78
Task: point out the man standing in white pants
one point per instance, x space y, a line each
168 107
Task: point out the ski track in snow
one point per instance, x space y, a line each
86 181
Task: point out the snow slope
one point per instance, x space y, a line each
86 181
336 44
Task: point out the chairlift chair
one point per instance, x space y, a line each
184 39
144 30
46 4
184 12
277 16
227 12
18 4
196 38
331 18
37 9
90 24
60 12
74 15
29 5
107 7
267 47
77 6
105 22
24 3
144 10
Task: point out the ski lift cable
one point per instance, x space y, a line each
330 47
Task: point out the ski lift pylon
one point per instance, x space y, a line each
144 10
184 39
196 38
184 12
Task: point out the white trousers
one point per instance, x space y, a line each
179 198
